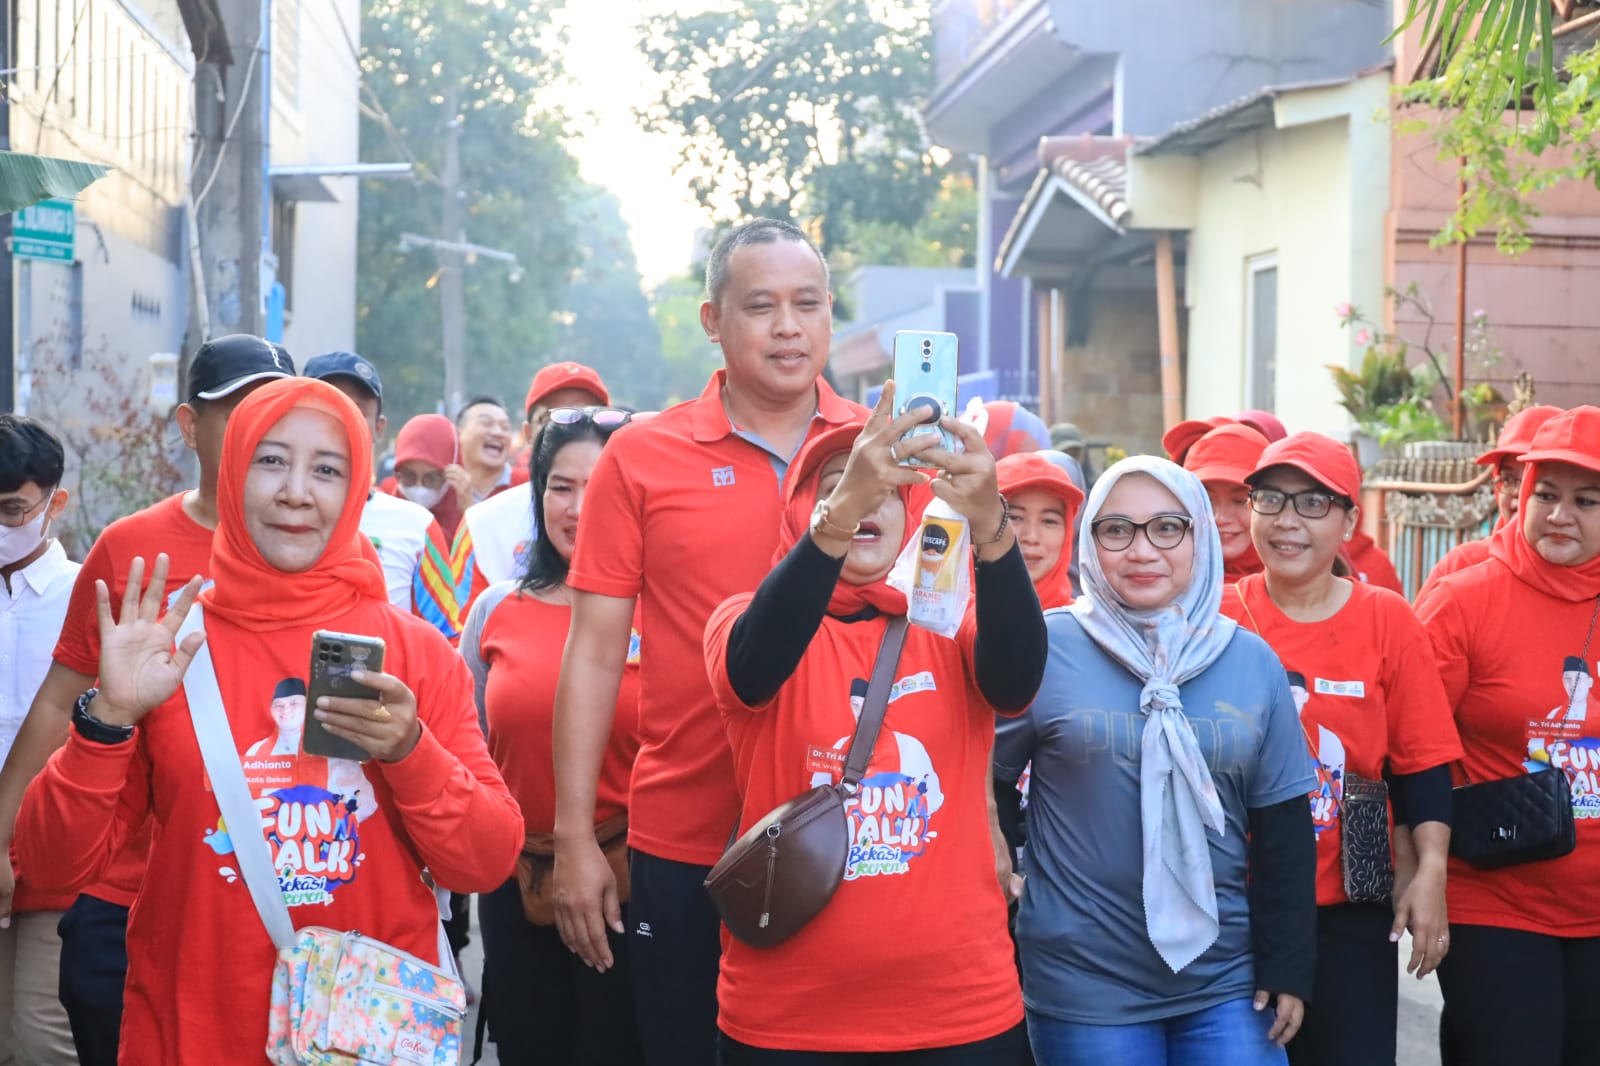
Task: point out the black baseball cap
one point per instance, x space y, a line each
346 365
224 365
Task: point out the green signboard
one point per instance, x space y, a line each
44 231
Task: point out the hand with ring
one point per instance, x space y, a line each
387 727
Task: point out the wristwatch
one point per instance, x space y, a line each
91 728
820 523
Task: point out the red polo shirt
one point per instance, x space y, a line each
682 511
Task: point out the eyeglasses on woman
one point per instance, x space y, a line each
1164 531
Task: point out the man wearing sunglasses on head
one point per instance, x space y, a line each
495 536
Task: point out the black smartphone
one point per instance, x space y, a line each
333 657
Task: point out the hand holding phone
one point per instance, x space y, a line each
925 366
356 710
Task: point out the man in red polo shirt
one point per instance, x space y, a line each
94 958
681 513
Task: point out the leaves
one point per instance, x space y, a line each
1496 57
806 110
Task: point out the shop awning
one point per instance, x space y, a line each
27 179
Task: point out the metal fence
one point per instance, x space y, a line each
1429 500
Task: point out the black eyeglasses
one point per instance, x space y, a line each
1164 531
1312 503
16 514
604 417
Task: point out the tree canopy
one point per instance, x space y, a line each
576 293
806 110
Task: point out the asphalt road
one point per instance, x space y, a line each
1418 1010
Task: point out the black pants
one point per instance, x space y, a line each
1521 999
674 945
94 968
1000 1050
543 1004
457 926
1351 1018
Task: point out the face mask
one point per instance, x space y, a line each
423 494
19 542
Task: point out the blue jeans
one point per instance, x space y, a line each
1231 1034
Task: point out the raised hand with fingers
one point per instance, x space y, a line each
874 468
139 666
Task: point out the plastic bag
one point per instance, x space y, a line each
935 571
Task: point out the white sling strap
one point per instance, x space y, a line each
239 812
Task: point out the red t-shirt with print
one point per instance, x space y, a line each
1369 698
683 512
349 840
912 951
521 644
1518 667
162 527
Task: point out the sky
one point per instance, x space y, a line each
608 79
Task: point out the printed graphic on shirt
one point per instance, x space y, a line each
1327 758
634 647
891 814
311 808
1564 740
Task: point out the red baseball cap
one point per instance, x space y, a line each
1227 453
1269 424
1181 437
1573 437
1322 459
558 376
1516 436
1021 471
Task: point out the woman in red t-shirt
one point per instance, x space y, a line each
541 1001
1222 459
288 559
1514 638
910 960
1371 707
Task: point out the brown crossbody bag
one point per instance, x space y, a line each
781 873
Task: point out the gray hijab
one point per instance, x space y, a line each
1164 648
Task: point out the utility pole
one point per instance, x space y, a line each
230 185
452 264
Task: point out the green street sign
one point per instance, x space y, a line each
45 231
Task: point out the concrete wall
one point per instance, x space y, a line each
1111 385
1181 58
1538 305
316 121
1273 192
119 93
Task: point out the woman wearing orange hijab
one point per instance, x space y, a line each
1043 504
1514 638
787 664
288 559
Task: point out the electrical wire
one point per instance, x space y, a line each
227 133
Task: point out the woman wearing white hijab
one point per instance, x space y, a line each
1170 912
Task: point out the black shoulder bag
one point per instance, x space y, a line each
785 868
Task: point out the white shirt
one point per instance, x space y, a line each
502 533
399 530
31 613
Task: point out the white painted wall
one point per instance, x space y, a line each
1315 194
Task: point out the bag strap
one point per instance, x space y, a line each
876 704
239 812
